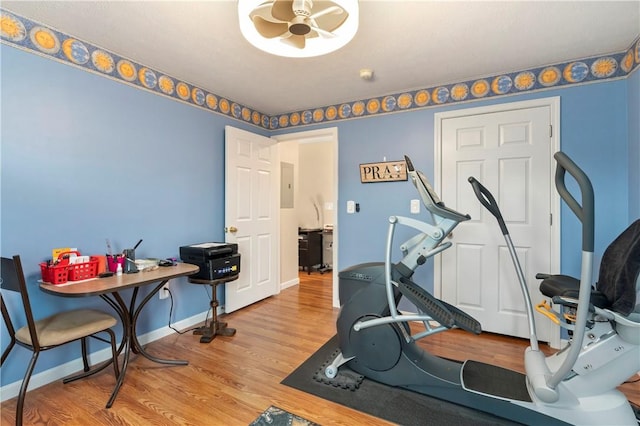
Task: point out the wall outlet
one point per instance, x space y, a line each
164 291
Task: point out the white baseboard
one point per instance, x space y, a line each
289 283
60 371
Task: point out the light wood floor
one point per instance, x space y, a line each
231 380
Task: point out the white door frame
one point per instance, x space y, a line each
554 104
329 134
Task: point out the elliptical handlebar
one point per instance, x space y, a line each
430 199
410 167
584 212
486 199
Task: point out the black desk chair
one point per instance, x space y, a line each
51 332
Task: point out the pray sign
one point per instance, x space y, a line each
383 172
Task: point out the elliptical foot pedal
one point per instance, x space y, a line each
464 320
427 302
492 380
345 379
441 311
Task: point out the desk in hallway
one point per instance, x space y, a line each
309 248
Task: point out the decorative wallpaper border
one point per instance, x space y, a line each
597 68
31 36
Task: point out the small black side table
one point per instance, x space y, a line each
216 327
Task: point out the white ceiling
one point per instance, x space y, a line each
408 44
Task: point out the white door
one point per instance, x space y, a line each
510 153
251 215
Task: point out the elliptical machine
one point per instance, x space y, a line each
577 385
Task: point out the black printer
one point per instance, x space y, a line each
216 260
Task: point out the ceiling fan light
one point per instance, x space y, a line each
313 45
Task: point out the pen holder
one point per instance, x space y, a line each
102 262
113 261
129 266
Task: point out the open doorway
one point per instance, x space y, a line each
313 187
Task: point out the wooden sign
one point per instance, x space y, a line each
383 172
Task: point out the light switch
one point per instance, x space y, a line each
351 206
415 206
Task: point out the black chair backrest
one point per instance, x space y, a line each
619 270
12 278
10 274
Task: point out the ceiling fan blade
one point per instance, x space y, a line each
332 9
330 18
323 33
263 10
295 41
269 29
283 10
311 34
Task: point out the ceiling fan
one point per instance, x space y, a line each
315 27
295 21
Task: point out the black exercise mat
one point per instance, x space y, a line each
393 404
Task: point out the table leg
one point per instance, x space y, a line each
216 327
126 343
134 337
129 317
132 322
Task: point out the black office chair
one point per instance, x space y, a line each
53 331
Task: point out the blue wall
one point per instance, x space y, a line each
85 158
594 132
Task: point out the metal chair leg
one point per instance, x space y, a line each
85 361
96 369
114 352
23 389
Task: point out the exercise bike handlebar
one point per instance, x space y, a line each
486 199
584 212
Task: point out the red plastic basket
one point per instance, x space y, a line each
84 271
58 274
62 272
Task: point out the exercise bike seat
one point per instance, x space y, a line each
618 278
569 287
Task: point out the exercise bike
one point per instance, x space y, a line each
576 385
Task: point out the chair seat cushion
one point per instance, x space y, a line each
67 326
